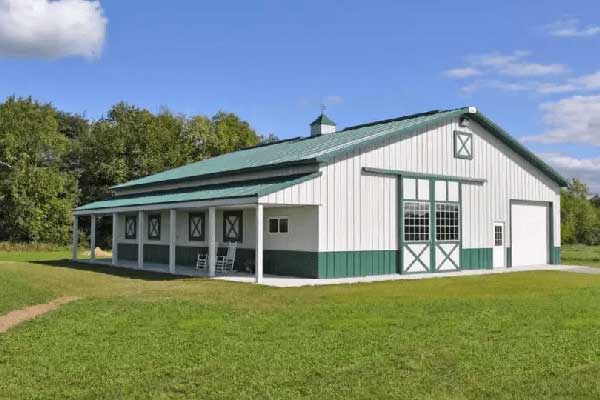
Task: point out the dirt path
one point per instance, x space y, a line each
17 317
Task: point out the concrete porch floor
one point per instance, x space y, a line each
288 281
164 268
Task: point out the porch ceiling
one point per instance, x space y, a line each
244 191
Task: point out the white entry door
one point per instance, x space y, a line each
499 247
529 227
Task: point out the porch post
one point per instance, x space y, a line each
92 237
75 236
212 241
140 239
172 232
115 246
258 263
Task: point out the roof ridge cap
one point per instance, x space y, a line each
401 118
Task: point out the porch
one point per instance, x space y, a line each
180 270
169 240
142 240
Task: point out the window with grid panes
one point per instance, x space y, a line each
416 221
498 235
447 222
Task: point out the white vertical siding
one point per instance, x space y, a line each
308 192
302 226
359 211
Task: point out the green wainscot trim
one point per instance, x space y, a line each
555 256
508 257
291 263
342 264
476 258
156 253
187 256
127 251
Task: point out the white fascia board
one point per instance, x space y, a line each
169 206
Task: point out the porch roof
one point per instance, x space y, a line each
242 189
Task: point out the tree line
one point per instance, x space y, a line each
52 161
580 215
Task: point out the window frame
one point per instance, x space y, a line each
156 216
447 226
202 236
498 235
457 151
426 228
129 218
240 235
278 219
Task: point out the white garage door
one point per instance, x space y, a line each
529 234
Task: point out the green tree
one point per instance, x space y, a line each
580 220
132 142
36 204
36 196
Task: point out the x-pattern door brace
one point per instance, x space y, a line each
464 141
232 226
448 256
196 227
417 258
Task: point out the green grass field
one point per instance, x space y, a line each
581 255
140 336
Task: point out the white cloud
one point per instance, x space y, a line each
571 27
551 88
460 73
493 69
51 29
332 100
499 85
514 64
587 170
583 83
571 120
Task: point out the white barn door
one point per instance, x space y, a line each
530 233
447 226
416 225
430 225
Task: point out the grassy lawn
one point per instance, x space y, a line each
580 254
140 336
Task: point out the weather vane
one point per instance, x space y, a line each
323 108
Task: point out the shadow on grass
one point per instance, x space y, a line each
110 270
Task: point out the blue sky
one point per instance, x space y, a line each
534 70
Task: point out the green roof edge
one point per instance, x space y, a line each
328 157
306 161
275 188
519 148
435 118
479 117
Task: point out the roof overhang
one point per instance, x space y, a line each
199 177
244 192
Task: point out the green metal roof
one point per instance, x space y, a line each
322 120
322 149
210 192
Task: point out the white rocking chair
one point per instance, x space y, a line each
202 261
225 263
